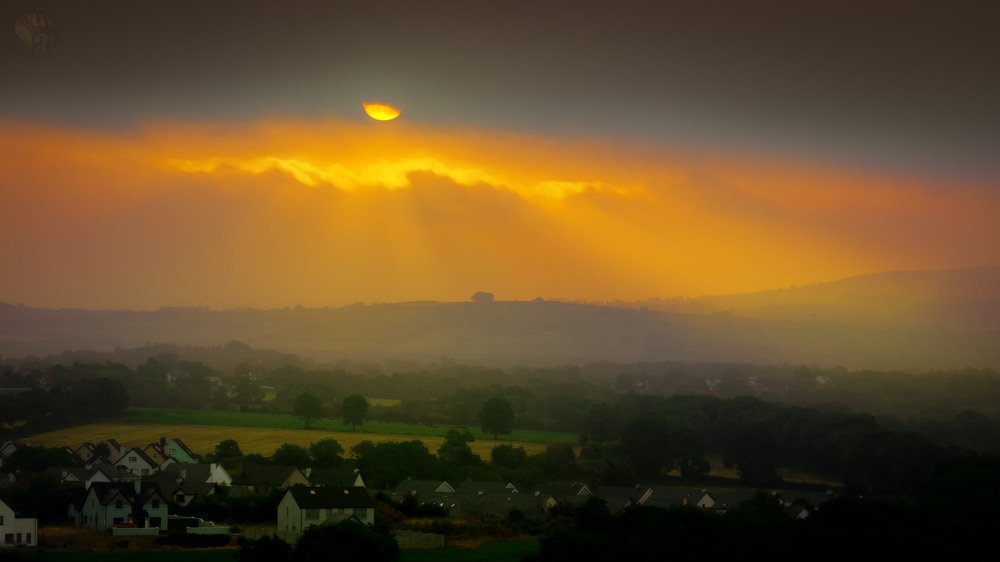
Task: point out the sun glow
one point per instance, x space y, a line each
381 111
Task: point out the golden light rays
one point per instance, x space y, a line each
334 212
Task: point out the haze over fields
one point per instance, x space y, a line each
901 320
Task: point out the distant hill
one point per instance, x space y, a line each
901 320
959 299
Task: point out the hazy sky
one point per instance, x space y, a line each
172 153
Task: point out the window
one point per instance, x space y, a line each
133 458
8 538
312 514
28 539
179 498
154 522
360 512
118 504
156 505
1 519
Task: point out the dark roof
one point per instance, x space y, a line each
331 477
184 448
264 475
474 487
192 472
327 496
678 497
557 490
141 454
106 492
420 486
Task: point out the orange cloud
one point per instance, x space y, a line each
288 212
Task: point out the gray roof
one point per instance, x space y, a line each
331 477
411 486
474 487
328 496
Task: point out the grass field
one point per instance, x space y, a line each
285 421
263 433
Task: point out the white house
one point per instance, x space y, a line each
137 462
107 504
211 473
16 531
302 507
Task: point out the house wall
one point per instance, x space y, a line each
16 531
219 475
157 515
289 515
135 464
176 451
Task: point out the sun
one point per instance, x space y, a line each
381 111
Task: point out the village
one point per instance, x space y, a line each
131 491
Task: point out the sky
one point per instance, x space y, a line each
178 154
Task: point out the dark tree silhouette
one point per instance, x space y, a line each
354 410
308 407
497 417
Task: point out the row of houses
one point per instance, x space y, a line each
501 498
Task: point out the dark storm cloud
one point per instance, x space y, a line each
906 85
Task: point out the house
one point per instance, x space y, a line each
181 483
156 452
479 488
137 462
115 450
16 531
176 449
7 479
551 495
676 498
114 503
417 487
302 507
212 473
346 478
86 452
620 497
260 478
84 476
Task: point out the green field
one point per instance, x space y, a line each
285 421
263 433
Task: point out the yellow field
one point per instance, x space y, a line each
202 439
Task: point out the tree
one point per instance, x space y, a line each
291 455
308 407
362 447
264 549
387 464
455 451
354 410
645 445
228 449
326 453
482 297
507 456
496 417
347 541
